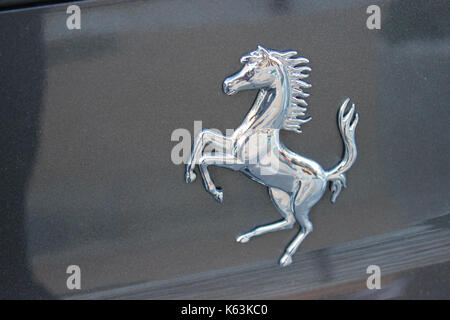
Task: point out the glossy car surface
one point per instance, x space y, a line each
88 121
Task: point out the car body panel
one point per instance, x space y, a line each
88 122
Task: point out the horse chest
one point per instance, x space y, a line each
255 147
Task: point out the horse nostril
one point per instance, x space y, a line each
225 87
228 86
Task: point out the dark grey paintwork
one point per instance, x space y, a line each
83 112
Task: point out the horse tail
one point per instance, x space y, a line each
347 125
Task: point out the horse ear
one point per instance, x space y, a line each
263 51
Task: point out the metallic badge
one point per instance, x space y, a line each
295 183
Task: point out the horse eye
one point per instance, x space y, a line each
250 73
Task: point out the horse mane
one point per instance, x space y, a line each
297 106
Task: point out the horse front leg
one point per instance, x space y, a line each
204 138
221 160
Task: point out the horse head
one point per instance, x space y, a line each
259 71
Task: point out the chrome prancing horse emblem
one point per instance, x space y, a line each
295 183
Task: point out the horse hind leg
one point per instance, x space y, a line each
282 202
307 196
306 228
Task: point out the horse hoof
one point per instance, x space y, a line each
190 177
218 195
285 260
243 238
